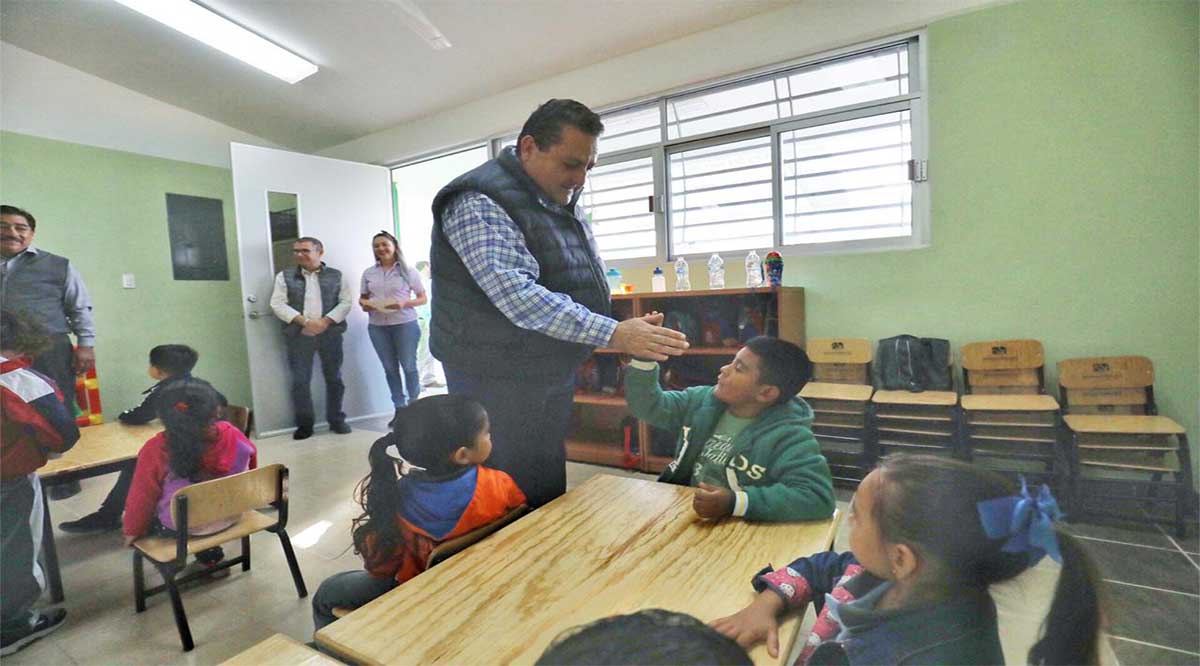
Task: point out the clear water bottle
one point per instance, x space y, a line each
613 276
682 283
716 272
658 281
754 275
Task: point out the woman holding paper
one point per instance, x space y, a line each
390 292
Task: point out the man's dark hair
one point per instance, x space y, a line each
174 360
648 637
546 122
22 333
13 210
309 239
782 364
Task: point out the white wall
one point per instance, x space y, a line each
45 98
801 29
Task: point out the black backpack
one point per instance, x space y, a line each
909 363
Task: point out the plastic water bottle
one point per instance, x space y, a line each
613 276
754 275
716 272
682 283
658 281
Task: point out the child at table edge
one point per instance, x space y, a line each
745 443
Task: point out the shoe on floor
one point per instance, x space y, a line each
91 524
303 432
196 566
64 490
395 417
340 427
40 624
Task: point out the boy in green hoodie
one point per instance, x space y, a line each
746 443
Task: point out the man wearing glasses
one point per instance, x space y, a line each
48 289
312 300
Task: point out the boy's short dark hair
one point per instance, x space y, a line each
174 359
648 637
546 122
22 333
781 364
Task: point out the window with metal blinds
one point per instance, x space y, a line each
721 198
617 201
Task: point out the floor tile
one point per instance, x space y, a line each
1169 570
1163 618
1136 654
43 652
1144 534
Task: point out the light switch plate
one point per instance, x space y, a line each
128 281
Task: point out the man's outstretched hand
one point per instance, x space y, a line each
645 337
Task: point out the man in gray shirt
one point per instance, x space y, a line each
49 289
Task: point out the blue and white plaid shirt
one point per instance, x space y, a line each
493 249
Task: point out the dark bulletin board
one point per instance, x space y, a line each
197 231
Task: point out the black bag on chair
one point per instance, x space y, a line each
909 363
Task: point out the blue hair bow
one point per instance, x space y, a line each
1028 522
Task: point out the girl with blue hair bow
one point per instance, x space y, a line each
928 537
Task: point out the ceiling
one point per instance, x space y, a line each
375 72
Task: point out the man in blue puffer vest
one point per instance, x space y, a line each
520 298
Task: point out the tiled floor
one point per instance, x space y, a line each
1151 580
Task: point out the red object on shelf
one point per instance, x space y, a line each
630 460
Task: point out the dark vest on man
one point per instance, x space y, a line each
330 280
36 286
467 331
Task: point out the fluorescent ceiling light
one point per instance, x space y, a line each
224 35
418 22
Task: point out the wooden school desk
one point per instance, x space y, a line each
612 545
281 650
101 449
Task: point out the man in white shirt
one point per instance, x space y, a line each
312 300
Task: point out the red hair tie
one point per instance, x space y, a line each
181 406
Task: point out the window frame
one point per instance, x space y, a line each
915 101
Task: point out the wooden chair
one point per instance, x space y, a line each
242 417
1118 438
840 394
444 550
1009 423
236 496
917 422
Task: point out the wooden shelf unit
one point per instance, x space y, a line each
783 317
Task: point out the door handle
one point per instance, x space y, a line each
254 314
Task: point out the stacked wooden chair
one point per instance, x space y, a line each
916 422
1009 423
840 395
1121 450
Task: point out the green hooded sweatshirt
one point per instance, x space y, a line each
777 464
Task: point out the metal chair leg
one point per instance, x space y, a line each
181 622
290 554
246 553
139 581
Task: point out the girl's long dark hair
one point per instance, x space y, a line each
930 503
188 410
426 434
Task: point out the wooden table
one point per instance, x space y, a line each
281 650
101 449
613 545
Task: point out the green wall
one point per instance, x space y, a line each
1064 179
106 211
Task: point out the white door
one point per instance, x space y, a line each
343 204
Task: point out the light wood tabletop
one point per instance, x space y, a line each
1125 424
611 546
1009 403
100 445
282 651
828 391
